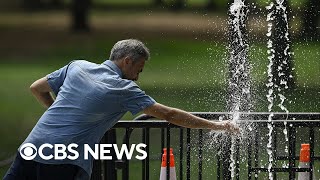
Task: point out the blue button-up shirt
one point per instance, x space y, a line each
90 99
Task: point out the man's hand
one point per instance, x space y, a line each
230 126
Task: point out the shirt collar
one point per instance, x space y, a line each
113 66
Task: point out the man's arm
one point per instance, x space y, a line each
185 119
41 90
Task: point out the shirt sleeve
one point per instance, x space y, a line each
56 78
136 100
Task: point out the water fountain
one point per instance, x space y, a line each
244 150
239 85
239 68
279 77
279 72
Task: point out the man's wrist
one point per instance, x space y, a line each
218 125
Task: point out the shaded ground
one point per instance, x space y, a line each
24 33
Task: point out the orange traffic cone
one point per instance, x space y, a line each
304 162
163 174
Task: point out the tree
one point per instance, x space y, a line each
158 2
80 13
310 20
32 5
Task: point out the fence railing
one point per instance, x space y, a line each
299 128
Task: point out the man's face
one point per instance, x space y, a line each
133 69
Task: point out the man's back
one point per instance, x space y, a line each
90 98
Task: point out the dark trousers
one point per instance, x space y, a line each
30 170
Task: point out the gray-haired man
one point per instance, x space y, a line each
90 99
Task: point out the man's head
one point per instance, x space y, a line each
130 56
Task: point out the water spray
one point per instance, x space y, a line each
239 86
278 78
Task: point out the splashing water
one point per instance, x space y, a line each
239 81
239 96
279 83
285 131
239 84
270 85
233 162
235 9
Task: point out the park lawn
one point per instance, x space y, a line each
187 74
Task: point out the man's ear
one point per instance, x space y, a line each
127 60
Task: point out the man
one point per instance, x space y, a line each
90 99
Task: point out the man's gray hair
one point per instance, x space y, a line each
132 48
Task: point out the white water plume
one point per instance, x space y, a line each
270 85
276 12
239 85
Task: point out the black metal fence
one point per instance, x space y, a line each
300 128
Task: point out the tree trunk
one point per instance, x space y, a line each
32 5
80 13
310 21
56 3
212 5
158 2
178 4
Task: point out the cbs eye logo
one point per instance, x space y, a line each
28 151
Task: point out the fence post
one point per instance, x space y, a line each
226 152
109 165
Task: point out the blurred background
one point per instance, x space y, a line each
187 39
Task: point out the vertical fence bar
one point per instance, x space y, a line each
125 171
148 152
188 153
237 159
110 165
311 135
200 153
103 162
144 161
292 150
96 174
103 165
226 152
181 154
219 161
162 142
249 159
168 153
256 152
274 150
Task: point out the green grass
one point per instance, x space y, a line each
188 74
